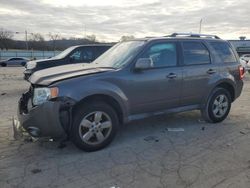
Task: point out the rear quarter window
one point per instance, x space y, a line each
224 51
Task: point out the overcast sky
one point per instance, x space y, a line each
110 19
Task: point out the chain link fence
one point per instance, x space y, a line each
30 54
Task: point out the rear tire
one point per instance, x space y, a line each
94 126
218 106
23 64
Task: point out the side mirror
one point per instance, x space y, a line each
143 63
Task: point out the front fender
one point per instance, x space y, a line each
78 93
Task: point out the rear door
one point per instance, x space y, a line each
197 72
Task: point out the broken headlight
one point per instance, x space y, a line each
42 94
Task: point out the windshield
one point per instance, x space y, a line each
64 53
119 55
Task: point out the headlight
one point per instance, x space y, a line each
41 95
30 65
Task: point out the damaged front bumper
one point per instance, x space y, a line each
18 130
50 119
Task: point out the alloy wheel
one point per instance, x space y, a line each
220 106
95 127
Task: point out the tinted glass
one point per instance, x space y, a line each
87 54
224 51
162 54
195 53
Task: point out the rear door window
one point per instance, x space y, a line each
195 53
224 51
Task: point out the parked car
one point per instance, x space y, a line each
14 61
72 55
134 79
245 61
245 57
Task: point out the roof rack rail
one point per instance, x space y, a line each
193 35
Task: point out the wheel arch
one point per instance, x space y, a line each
229 87
102 98
227 84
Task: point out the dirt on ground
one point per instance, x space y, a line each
173 151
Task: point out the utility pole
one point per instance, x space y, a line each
26 39
84 31
200 26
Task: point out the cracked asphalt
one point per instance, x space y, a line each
144 153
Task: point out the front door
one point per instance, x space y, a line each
157 88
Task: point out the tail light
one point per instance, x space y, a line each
242 72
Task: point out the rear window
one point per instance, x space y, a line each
195 53
224 51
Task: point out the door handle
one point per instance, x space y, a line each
211 71
171 75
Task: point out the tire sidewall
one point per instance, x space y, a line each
209 107
81 112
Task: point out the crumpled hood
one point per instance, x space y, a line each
51 75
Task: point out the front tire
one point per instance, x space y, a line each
94 126
3 64
218 106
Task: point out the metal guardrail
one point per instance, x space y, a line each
30 54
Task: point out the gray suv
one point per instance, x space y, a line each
134 79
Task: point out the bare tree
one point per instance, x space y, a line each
91 38
36 37
37 41
5 38
54 38
127 37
